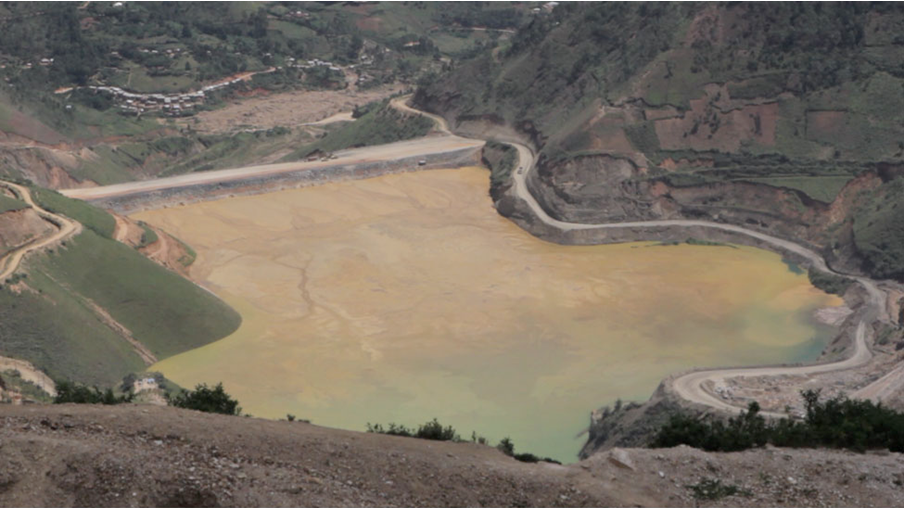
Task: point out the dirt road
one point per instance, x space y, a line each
65 228
401 103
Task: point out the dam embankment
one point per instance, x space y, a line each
422 154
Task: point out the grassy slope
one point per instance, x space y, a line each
8 204
381 124
820 188
52 328
91 217
164 311
879 230
51 324
807 58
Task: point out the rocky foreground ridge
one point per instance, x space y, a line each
134 455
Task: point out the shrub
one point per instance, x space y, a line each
828 282
839 422
432 430
714 489
506 446
72 393
206 399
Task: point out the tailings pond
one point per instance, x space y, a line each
406 297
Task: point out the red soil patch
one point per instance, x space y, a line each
660 113
370 24
256 92
716 130
30 128
847 198
825 124
612 140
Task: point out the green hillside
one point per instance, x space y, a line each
801 97
49 316
809 59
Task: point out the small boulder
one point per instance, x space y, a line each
621 458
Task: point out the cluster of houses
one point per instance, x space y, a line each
170 104
44 62
173 104
301 64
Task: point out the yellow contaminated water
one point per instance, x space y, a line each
407 297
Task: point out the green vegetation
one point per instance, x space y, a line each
643 137
148 235
712 489
820 188
190 254
73 393
90 216
378 124
803 97
9 204
501 159
11 380
166 312
829 282
37 325
431 430
879 230
72 284
434 431
839 422
206 399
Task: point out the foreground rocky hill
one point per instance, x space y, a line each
133 455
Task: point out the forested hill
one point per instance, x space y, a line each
800 98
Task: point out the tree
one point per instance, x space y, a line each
72 393
506 446
206 399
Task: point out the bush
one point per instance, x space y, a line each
208 400
72 393
839 422
432 430
714 489
828 282
506 446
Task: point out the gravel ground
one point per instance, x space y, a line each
136 455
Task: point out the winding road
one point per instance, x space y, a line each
691 386
65 228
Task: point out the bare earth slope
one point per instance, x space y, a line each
155 456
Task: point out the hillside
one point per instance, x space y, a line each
151 456
97 94
92 309
780 116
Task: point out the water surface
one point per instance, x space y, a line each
406 297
